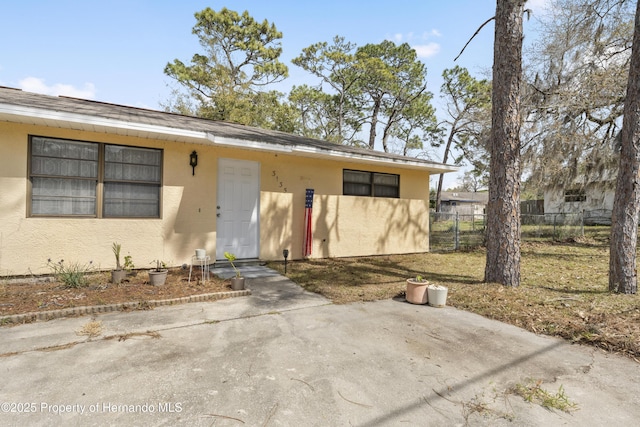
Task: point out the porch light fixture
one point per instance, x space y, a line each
193 161
285 254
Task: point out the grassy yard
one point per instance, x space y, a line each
563 292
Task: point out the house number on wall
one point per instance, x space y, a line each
277 178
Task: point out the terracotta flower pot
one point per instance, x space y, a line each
417 291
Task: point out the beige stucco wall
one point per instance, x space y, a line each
358 226
188 211
343 225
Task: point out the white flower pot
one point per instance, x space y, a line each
437 295
201 253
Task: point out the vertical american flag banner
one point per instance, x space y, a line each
308 207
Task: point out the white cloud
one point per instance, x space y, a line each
34 84
427 50
433 33
424 50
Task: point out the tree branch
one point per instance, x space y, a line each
474 34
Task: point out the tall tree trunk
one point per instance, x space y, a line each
445 157
374 123
503 208
624 227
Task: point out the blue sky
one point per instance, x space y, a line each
115 51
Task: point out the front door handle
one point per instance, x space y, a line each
218 215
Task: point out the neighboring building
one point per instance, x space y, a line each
594 200
464 203
590 197
78 175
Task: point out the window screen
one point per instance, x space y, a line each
65 177
131 182
363 183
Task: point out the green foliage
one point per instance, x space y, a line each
533 392
392 80
72 275
160 265
380 84
335 116
467 125
240 56
318 114
128 263
128 260
116 247
231 257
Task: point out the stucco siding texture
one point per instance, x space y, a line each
342 225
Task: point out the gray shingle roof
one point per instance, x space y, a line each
19 106
481 197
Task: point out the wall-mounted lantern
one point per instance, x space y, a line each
193 161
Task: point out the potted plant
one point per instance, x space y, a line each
237 283
417 290
158 275
128 264
437 295
119 273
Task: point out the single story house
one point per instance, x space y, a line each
78 175
594 200
588 197
464 202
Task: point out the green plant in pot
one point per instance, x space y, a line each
128 264
119 274
158 275
237 283
417 290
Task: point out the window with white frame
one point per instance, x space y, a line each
88 179
374 184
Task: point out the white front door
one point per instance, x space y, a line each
238 208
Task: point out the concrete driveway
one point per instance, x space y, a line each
285 357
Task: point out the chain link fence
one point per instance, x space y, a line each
453 231
556 226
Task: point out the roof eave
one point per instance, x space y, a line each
31 115
308 151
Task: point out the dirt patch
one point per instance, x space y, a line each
44 294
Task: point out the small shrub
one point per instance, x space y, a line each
128 263
73 275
